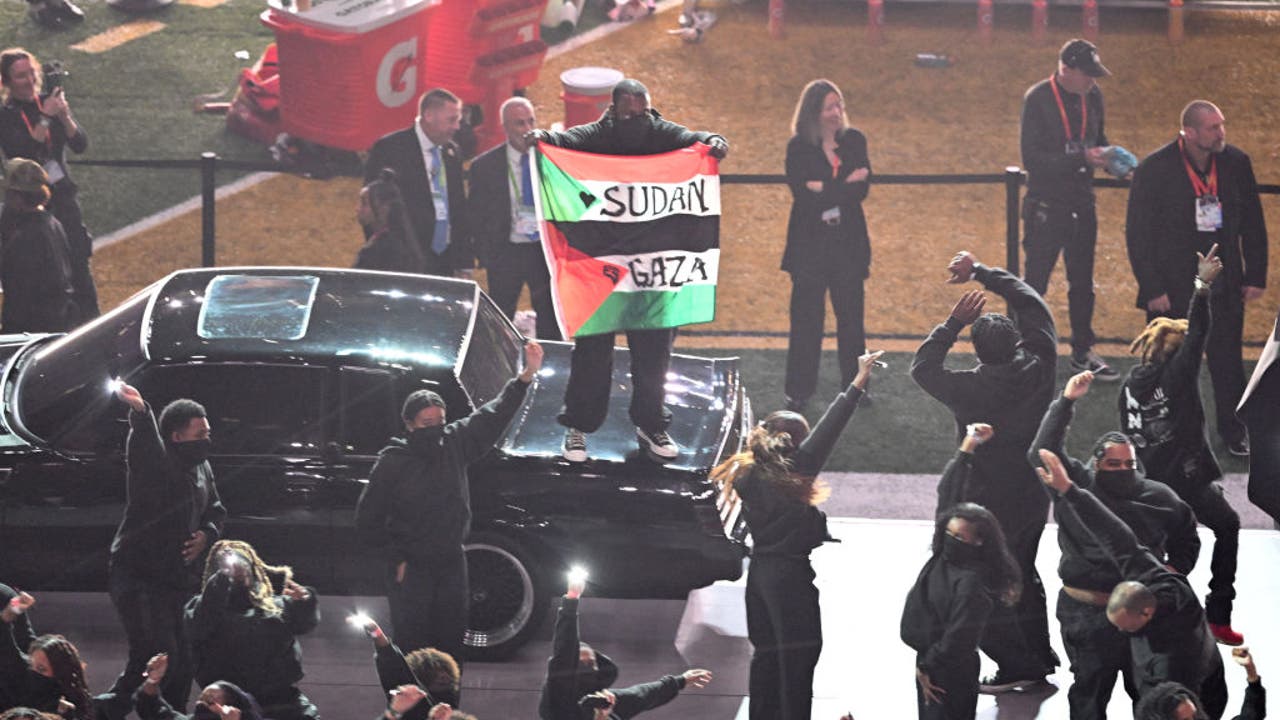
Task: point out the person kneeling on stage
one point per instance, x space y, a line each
970 570
1172 701
218 701
432 670
242 631
578 677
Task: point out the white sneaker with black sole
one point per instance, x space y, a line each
659 444
575 446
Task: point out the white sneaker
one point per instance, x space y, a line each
575 446
659 444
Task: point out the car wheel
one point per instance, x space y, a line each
507 597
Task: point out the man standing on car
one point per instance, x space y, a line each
416 509
171 516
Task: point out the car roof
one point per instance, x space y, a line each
347 317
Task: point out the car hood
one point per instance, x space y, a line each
10 346
704 395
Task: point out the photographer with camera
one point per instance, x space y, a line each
36 124
245 632
578 676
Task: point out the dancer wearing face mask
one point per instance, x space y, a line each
945 613
171 517
244 625
219 701
1156 515
416 510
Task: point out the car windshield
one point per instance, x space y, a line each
492 354
62 394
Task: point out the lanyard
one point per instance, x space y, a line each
48 139
1062 110
1197 184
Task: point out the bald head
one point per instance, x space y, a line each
1192 113
1131 606
1204 129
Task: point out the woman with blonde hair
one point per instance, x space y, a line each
243 629
776 478
828 249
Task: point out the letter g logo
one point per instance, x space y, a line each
397 80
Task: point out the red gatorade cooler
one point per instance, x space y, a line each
588 91
351 71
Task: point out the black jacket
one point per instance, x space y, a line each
394 671
1162 413
1160 227
242 644
813 247
1011 397
1175 644
387 251
780 524
1162 522
566 682
945 614
1055 176
35 269
16 140
402 152
413 510
489 206
1255 702
602 137
20 686
165 504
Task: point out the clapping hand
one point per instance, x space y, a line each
969 307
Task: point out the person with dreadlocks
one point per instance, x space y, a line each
969 572
1162 413
244 631
218 701
776 477
391 243
1162 522
50 675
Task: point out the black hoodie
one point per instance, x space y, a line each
567 681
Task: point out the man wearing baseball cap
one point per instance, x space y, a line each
1063 141
35 266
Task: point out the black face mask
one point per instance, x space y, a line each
633 131
190 453
1122 483
959 552
204 712
427 442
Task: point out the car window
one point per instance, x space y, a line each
368 414
62 393
255 306
253 409
493 353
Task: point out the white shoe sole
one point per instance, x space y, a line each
666 453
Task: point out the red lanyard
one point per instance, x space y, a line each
1062 110
1196 183
48 139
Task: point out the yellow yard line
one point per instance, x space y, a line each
118 35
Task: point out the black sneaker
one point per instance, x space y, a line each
1239 448
69 11
1091 362
575 446
1002 683
658 443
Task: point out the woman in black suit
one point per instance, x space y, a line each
827 244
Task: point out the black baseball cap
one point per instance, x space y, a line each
1082 55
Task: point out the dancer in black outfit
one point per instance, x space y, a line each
776 479
391 244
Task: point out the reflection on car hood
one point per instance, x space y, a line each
9 347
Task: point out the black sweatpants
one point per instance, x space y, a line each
1214 512
522 264
808 320
66 208
1017 638
586 399
961 685
429 608
1048 230
784 623
1097 652
151 615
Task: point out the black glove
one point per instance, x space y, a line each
719 146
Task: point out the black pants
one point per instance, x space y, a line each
784 623
961 699
152 618
1048 230
1264 439
1017 638
66 208
586 399
1097 651
522 265
1223 356
808 320
429 608
1214 512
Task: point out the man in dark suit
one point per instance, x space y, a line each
428 169
502 220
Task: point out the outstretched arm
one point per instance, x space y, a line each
927 368
813 452
1184 366
954 487
474 435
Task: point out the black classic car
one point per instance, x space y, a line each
302 371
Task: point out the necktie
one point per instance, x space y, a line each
526 181
440 238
